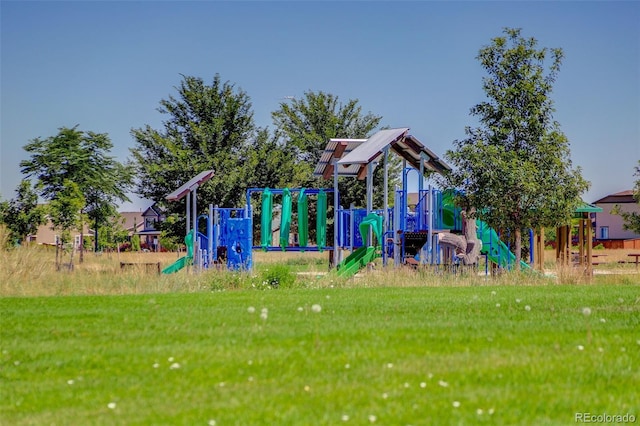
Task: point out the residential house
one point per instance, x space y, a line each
150 234
48 236
609 227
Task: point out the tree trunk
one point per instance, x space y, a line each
518 248
81 242
57 254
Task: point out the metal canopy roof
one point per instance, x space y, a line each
406 146
336 148
192 184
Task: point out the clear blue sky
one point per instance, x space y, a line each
106 65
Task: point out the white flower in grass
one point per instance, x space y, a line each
300 309
443 383
170 359
406 385
600 350
389 365
347 366
423 385
456 404
497 305
251 309
264 313
602 320
493 293
430 376
328 297
527 308
174 366
307 388
111 405
156 365
491 411
221 384
586 311
372 418
70 381
385 395
517 300
479 411
344 418
316 308
580 348
212 422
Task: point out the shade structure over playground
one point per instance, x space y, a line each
337 148
193 183
398 140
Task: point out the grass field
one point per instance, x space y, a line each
100 346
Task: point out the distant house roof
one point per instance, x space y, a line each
153 210
618 198
131 220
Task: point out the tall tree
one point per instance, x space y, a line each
308 123
515 168
22 215
207 127
83 158
65 212
631 219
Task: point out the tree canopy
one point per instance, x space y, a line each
632 219
22 214
83 158
307 124
515 167
206 127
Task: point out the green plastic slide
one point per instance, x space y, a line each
356 261
495 249
321 220
363 255
285 218
303 219
177 265
265 219
185 260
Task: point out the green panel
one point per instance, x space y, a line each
303 219
321 220
265 219
285 218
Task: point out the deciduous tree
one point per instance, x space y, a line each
308 123
83 158
632 219
22 215
515 168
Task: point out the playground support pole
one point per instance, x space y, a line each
188 201
370 168
385 215
431 246
210 236
194 212
423 252
336 249
397 209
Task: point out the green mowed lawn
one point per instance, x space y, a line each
390 356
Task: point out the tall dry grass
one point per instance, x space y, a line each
30 271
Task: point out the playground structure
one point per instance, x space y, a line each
424 236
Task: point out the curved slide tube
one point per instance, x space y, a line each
183 261
363 255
